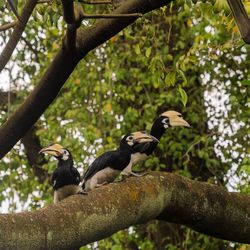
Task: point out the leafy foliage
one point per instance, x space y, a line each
187 57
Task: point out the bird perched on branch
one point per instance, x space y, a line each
65 178
165 120
109 165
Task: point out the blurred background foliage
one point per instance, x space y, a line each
187 56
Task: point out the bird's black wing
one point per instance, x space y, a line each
142 148
54 177
145 148
107 159
76 174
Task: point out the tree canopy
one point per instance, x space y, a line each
84 82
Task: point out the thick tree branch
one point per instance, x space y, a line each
17 33
90 38
80 220
60 69
69 11
72 16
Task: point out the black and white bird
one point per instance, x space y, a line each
165 120
109 165
65 178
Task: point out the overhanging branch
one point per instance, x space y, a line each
80 220
61 68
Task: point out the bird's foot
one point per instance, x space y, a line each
82 192
138 175
133 174
101 184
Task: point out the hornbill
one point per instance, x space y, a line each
165 120
109 165
65 178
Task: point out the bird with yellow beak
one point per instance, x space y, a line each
109 165
65 178
164 121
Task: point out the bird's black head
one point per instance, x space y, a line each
165 120
136 142
58 151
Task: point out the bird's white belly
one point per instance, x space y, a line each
65 191
137 157
106 175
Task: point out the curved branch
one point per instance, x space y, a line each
8 26
80 220
60 69
17 33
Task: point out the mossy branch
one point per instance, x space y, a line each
82 219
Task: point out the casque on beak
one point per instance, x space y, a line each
179 121
54 149
175 118
143 137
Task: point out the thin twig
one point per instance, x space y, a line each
197 142
44 1
8 26
94 2
13 8
29 45
112 15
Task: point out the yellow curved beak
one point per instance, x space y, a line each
143 137
179 121
54 150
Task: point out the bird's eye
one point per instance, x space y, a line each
130 138
180 116
65 155
165 120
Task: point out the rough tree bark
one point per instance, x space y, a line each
62 66
83 219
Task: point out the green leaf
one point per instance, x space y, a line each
245 82
137 49
148 52
184 83
170 79
184 96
